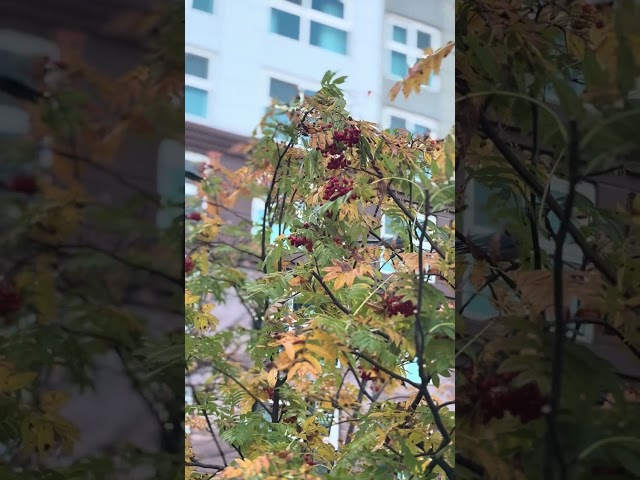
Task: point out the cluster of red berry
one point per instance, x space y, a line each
300 241
23 184
368 375
188 265
335 153
589 9
308 459
10 299
494 396
337 187
349 136
270 392
524 402
195 216
346 138
395 305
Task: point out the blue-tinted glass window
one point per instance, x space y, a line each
196 65
399 34
412 372
424 40
421 130
484 213
386 266
328 38
331 7
297 2
285 24
190 189
257 214
282 92
480 307
399 64
195 101
397 122
203 5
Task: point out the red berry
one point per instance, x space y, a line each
188 265
599 24
10 299
24 184
194 216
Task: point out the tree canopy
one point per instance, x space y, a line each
547 110
337 276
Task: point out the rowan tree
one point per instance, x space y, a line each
547 102
78 269
329 330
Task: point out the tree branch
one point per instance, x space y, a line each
533 183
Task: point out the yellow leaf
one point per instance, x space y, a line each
190 298
382 436
11 382
45 288
201 258
395 90
308 422
319 350
38 435
272 377
314 363
293 371
52 401
188 455
203 321
290 350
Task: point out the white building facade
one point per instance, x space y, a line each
241 53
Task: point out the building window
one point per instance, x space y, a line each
195 101
390 229
394 119
198 83
257 217
169 182
405 44
284 92
196 66
203 5
321 23
481 219
193 163
482 215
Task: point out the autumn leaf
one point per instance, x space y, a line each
52 401
204 321
11 381
190 298
289 350
420 73
411 261
342 272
